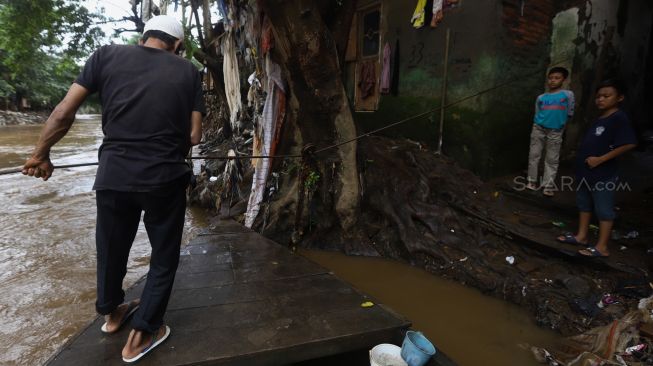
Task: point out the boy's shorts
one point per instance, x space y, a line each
597 197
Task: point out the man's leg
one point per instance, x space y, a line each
535 153
117 223
552 159
164 222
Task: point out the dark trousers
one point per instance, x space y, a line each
118 216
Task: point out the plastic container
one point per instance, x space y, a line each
416 349
386 354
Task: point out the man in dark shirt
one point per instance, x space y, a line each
610 136
152 107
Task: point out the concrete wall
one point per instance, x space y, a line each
492 42
510 43
613 40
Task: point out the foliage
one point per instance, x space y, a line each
41 42
311 181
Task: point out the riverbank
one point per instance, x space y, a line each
11 118
482 234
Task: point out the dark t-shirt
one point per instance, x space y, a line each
147 97
603 136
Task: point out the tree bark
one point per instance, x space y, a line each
305 49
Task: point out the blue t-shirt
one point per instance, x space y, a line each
605 135
553 109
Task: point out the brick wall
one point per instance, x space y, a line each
528 22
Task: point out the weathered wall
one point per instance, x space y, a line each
612 40
492 41
495 41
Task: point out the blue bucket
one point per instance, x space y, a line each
416 349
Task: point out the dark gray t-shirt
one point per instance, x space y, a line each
147 98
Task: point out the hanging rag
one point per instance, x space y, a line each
367 79
231 79
419 14
267 38
273 115
386 69
437 13
222 8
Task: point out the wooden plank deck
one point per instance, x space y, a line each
241 299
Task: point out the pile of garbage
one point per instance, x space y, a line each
625 341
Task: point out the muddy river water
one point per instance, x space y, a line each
47 268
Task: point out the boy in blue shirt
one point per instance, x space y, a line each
609 136
552 111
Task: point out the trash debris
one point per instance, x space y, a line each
452 230
213 179
559 224
510 259
463 259
523 291
633 234
594 227
606 300
367 304
649 251
543 356
623 247
637 348
496 194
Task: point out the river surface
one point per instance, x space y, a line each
47 244
47 268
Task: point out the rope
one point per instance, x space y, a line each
19 170
297 156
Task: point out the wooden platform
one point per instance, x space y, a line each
241 299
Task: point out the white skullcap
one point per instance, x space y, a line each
166 24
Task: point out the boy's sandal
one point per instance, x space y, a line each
548 193
569 238
593 253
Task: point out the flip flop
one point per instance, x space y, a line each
155 342
594 253
570 239
131 309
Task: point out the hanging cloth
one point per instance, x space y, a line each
231 79
367 79
267 37
386 69
273 115
419 14
437 13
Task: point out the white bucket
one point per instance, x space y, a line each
386 354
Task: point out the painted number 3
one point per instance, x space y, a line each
416 54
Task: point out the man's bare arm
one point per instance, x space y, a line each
56 127
196 128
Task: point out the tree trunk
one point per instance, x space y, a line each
306 51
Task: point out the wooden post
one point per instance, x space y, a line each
443 94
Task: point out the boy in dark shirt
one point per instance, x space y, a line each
610 136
